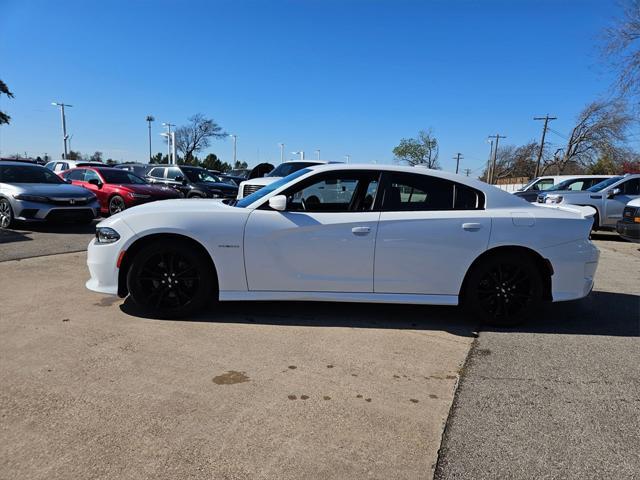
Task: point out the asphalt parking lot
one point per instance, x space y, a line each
91 389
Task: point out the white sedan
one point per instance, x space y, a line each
350 233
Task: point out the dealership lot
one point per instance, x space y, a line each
268 390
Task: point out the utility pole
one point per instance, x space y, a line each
150 119
546 119
488 177
457 159
467 171
497 136
235 150
281 152
65 137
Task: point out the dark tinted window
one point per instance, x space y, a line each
288 168
631 187
27 174
409 192
121 177
77 174
157 172
173 173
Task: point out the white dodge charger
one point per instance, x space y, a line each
350 233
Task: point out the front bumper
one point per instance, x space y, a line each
26 211
574 266
629 231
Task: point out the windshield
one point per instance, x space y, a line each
267 189
603 184
197 175
288 168
27 174
121 177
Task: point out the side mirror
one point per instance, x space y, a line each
96 182
613 192
179 178
279 203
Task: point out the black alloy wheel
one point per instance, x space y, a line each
170 279
116 205
504 289
6 213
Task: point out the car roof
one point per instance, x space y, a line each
20 164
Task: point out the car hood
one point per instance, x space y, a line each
52 190
149 189
261 180
634 203
218 185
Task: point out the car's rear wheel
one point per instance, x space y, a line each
504 289
171 279
116 205
6 213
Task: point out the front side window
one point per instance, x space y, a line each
603 184
411 192
327 195
631 187
173 173
197 175
543 185
91 175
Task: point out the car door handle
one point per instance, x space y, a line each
472 226
361 230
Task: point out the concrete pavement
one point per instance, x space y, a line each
265 390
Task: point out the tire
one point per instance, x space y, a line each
171 279
6 214
503 289
116 204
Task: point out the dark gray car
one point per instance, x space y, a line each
32 193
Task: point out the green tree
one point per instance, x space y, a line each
96 157
4 118
240 164
74 155
422 150
158 158
212 162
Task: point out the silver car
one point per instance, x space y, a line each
32 193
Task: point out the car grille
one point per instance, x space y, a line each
628 213
249 189
76 214
69 202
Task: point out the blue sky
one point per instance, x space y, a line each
347 77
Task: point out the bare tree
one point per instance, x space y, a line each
4 118
423 150
601 128
516 161
196 136
622 48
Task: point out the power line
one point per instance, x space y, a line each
546 119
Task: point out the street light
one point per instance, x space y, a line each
169 138
301 153
348 157
235 142
64 124
281 152
318 154
150 119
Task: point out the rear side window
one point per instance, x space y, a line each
409 192
157 172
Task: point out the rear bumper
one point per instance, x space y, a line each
629 231
574 266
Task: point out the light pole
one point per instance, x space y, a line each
301 153
348 157
235 148
64 124
150 119
281 152
318 154
168 135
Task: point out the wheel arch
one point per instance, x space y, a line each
137 246
544 266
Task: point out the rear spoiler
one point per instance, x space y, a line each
583 211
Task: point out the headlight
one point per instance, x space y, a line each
138 195
553 199
31 198
106 235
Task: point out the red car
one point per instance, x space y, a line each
117 189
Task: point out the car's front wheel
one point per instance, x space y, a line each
6 213
504 289
171 279
116 204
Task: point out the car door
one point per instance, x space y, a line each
100 190
429 233
614 206
323 242
75 176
